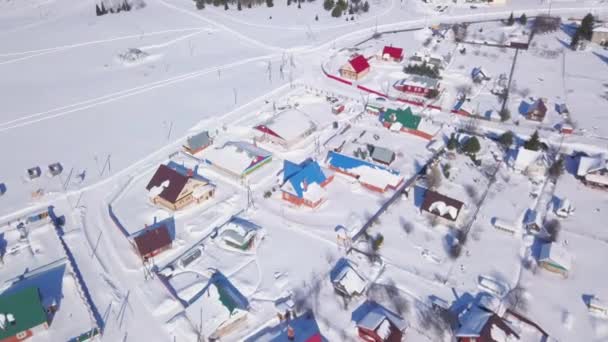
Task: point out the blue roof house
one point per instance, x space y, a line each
304 183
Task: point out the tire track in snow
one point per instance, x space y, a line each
79 106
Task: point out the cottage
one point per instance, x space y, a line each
337 108
532 221
537 111
34 172
198 142
239 233
433 61
506 226
286 128
441 205
175 187
480 325
381 155
532 163
152 242
347 280
304 183
593 171
555 258
356 68
378 324
600 35
55 169
237 158
371 176
21 315
417 85
391 53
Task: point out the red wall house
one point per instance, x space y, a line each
302 201
372 336
412 89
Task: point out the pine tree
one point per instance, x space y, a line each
506 139
299 5
103 9
471 146
336 12
288 2
317 17
225 5
586 28
97 10
511 20
575 40
249 5
534 143
365 6
269 3
352 17
342 5
328 5
238 6
523 19
200 4
452 142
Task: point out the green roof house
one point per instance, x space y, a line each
21 315
401 117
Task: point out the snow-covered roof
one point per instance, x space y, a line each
506 225
368 173
597 178
427 126
202 190
288 125
236 156
419 81
346 275
304 180
377 314
590 164
525 158
441 205
473 322
555 253
238 231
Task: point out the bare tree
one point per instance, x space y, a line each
552 227
516 299
407 226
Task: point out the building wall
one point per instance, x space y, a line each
26 334
196 150
552 268
157 251
599 37
369 335
412 89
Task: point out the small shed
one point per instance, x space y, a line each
198 142
505 226
347 280
564 208
595 305
55 169
532 220
239 233
382 155
34 172
153 241
555 258
391 53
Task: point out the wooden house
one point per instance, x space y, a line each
378 324
356 68
152 242
174 188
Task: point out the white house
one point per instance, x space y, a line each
286 128
593 171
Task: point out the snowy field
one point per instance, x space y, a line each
112 97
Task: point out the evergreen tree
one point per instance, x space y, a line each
557 168
534 143
288 2
238 6
575 40
317 17
200 4
506 139
328 5
336 12
217 3
452 142
365 6
586 28
342 5
352 17
471 146
299 4
97 10
351 11
523 19
511 20
270 3
249 5
103 9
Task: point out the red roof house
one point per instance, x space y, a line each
153 241
391 53
356 68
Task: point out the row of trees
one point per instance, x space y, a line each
200 4
523 19
102 10
339 7
422 69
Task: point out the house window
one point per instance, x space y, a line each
21 335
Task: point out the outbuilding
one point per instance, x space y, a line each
356 68
347 280
198 142
378 324
239 233
237 158
555 258
506 226
417 85
391 53
286 128
441 205
532 221
152 242
373 177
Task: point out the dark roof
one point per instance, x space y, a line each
176 180
538 105
359 63
152 239
431 197
394 52
199 140
25 307
486 332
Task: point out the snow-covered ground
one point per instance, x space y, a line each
112 97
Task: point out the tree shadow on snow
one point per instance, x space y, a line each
601 57
419 193
568 29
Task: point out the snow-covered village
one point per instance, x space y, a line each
311 171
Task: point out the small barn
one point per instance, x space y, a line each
431 60
346 279
555 258
34 172
537 111
175 188
378 324
55 169
382 155
441 205
532 221
391 53
371 176
237 158
356 68
593 171
506 226
198 142
22 315
286 128
239 233
564 208
152 242
304 183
